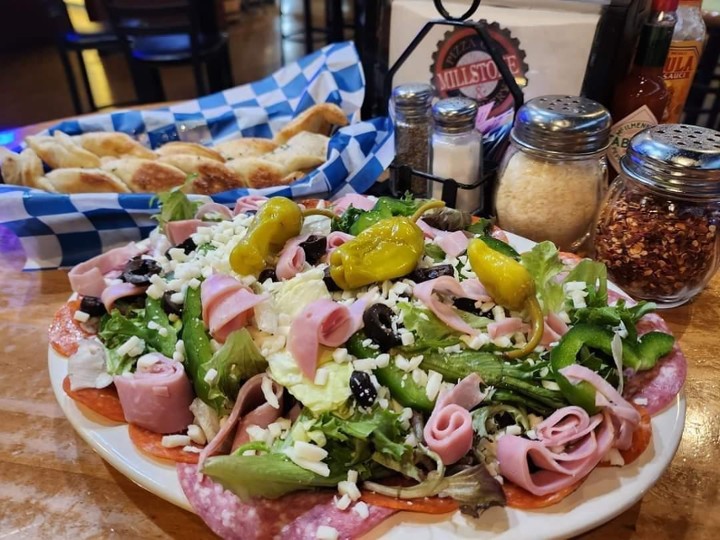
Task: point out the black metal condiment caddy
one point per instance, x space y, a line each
400 176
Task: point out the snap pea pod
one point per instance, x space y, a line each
404 389
155 313
198 351
511 398
459 365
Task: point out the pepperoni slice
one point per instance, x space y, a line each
150 443
518 497
65 331
426 505
103 401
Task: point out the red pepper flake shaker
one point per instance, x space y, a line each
658 230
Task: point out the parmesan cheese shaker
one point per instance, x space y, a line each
553 176
456 149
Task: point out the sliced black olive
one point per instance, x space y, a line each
188 246
266 274
426 274
467 304
330 282
362 388
378 326
138 271
314 248
169 306
93 306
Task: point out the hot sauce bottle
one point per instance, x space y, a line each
640 99
684 56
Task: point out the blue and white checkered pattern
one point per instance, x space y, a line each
62 230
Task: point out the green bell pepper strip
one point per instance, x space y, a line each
641 356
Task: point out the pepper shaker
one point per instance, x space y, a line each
456 149
411 117
658 230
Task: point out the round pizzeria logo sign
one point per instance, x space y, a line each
463 67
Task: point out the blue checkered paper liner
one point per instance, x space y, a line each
59 230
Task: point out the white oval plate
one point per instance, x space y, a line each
606 493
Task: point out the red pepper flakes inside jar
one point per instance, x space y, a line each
658 230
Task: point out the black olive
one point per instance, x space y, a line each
138 271
188 246
330 282
378 326
362 388
169 306
314 248
426 274
266 274
93 306
467 304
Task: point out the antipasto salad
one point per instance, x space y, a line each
314 368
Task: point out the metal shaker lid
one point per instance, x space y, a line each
454 115
412 96
677 158
567 126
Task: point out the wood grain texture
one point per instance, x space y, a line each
52 485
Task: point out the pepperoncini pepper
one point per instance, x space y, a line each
277 221
510 285
389 249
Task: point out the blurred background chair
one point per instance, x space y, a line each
165 33
73 42
332 31
703 104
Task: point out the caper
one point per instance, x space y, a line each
362 388
426 274
378 326
93 306
138 271
314 248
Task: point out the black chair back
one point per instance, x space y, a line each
703 104
139 18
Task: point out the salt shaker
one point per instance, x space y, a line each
658 230
456 149
411 117
553 176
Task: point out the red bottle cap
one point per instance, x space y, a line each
665 5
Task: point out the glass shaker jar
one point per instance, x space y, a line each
411 118
658 230
553 176
456 149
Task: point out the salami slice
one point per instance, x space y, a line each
347 523
232 519
65 332
151 444
661 384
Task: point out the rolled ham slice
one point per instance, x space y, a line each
336 239
227 305
625 417
452 243
179 231
427 291
88 278
249 203
429 231
361 202
113 293
292 258
251 408
322 322
449 431
473 289
213 208
585 442
506 327
555 328
157 397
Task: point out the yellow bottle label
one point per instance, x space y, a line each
679 71
624 130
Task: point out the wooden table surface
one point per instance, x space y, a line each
52 485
